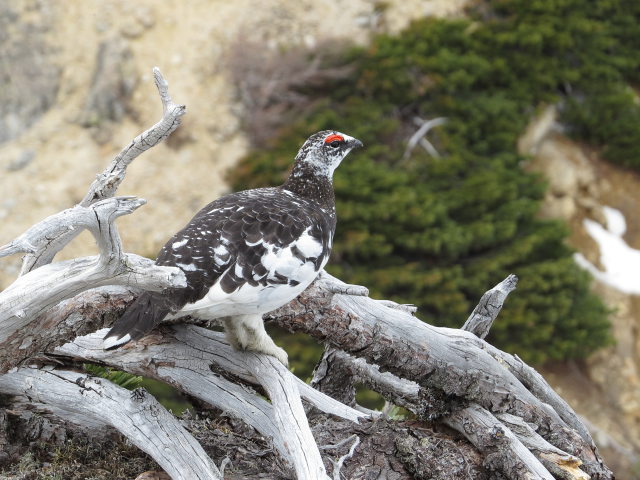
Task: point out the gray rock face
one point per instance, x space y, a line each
28 76
114 79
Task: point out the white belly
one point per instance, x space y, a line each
249 299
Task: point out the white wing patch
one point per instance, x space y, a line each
219 252
112 342
308 246
180 243
270 258
257 299
283 262
238 271
188 267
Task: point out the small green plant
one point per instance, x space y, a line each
168 396
27 463
123 379
90 459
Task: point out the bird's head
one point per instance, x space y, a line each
323 152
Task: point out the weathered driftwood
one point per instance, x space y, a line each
560 464
289 416
503 443
450 361
489 306
32 294
499 443
537 385
189 357
80 315
136 414
165 347
446 376
108 181
502 449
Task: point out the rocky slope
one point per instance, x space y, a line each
582 190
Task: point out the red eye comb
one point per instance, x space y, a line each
333 138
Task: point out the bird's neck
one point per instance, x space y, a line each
308 183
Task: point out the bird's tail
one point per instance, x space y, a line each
147 311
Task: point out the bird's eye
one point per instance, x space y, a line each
334 140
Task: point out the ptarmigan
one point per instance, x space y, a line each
248 253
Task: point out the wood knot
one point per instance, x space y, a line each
138 395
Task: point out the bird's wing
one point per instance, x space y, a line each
231 241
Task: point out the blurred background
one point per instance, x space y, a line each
501 137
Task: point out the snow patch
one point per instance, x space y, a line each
621 262
616 223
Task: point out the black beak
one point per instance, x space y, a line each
355 143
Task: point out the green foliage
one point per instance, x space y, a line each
610 118
123 379
168 396
588 52
302 349
438 232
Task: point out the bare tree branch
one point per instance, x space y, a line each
537 385
51 233
190 357
107 182
32 294
337 466
503 451
86 312
559 463
416 399
136 414
451 361
289 416
419 136
489 306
